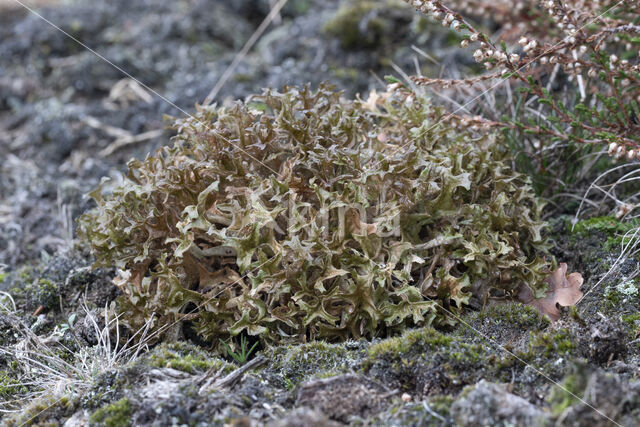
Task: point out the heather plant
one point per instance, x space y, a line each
572 78
301 215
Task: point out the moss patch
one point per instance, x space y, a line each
422 339
570 393
504 323
441 404
47 293
42 412
359 24
184 357
30 293
609 225
9 386
428 362
632 321
116 414
553 343
297 364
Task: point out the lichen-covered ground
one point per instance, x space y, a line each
61 111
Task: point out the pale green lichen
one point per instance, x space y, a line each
628 288
314 217
621 292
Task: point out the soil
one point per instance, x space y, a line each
64 114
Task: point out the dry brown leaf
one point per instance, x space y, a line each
213 281
355 224
563 290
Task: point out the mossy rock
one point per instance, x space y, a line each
367 23
504 322
554 343
301 363
426 362
515 315
614 229
29 293
632 321
116 414
569 392
45 411
185 357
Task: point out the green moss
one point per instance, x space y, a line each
631 320
553 343
184 357
41 412
25 273
3 276
514 315
548 351
621 293
33 292
414 345
569 394
426 361
9 386
117 414
609 225
47 293
441 404
633 324
344 73
367 23
423 339
346 25
300 363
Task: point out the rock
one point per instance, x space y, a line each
598 399
605 341
79 419
304 417
489 404
344 396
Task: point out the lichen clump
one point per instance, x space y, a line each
302 215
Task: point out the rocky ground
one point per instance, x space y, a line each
67 119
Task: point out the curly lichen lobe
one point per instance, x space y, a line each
301 215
